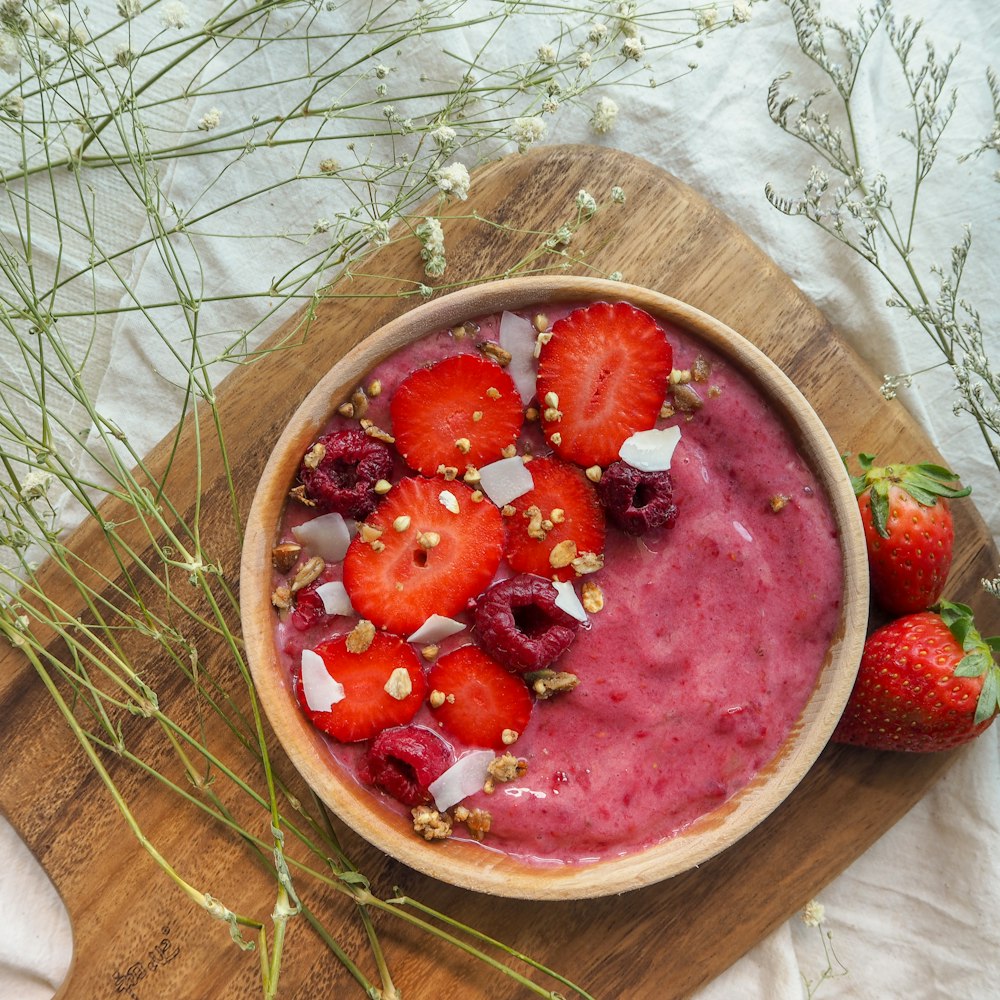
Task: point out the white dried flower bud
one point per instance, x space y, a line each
632 48
525 131
431 236
453 179
444 137
10 57
741 11
586 204
210 119
605 115
174 15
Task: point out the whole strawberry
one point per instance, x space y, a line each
927 681
909 531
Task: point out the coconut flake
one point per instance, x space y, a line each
449 501
517 337
335 599
321 690
505 480
464 778
326 536
567 600
436 628
650 451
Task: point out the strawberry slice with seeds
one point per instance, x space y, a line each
384 686
556 522
482 702
602 376
462 410
428 549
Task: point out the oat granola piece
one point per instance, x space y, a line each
309 571
361 637
546 683
502 769
477 821
687 398
430 824
592 597
282 597
587 562
701 370
562 554
500 355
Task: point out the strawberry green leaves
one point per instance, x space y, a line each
924 483
978 660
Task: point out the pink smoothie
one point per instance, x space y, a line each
709 644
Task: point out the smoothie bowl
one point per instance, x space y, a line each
554 588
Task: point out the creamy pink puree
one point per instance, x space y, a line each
709 644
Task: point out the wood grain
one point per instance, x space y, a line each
137 935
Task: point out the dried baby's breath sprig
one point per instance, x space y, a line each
853 196
813 915
99 106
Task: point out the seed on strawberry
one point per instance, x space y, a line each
927 681
340 470
428 549
483 705
463 410
404 760
637 501
519 624
556 522
602 376
909 531
376 695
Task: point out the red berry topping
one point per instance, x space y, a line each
463 410
482 700
559 517
606 367
340 472
428 549
637 501
368 707
519 624
403 761
309 609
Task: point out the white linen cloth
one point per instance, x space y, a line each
916 915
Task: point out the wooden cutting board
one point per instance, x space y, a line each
136 935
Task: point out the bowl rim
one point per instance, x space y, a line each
469 865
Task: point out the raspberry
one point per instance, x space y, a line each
344 478
637 501
403 761
309 609
520 626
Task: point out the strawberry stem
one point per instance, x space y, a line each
979 660
925 483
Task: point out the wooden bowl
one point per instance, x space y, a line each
464 863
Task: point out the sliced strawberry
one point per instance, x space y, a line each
533 532
607 367
367 707
415 556
482 701
463 410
